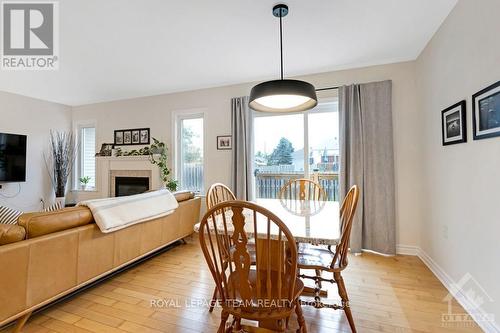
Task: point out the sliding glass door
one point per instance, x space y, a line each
301 145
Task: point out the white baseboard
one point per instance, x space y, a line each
407 250
447 281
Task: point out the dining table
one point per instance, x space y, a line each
310 222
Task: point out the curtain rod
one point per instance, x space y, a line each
328 88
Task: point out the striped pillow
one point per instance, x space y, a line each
9 215
55 206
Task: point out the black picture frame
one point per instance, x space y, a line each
136 137
144 136
454 124
486 112
132 137
224 142
127 138
118 138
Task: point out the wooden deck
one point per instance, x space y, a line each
397 294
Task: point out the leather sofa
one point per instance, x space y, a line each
59 252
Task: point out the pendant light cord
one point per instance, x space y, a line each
281 43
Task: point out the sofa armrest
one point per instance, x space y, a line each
183 195
39 224
11 233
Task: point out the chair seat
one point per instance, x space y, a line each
305 247
312 257
268 310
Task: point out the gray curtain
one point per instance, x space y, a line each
367 160
242 132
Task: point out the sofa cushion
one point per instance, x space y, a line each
11 233
9 215
39 224
183 195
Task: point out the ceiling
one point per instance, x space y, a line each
117 49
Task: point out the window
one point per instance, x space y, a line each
190 153
86 159
300 145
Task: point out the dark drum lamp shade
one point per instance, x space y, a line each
283 96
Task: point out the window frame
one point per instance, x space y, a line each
78 169
178 117
322 101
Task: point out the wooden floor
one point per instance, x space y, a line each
397 294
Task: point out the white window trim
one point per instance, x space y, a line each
326 100
177 116
77 169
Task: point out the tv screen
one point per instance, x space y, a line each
12 158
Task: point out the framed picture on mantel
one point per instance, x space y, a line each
129 137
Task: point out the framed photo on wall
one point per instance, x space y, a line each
135 136
224 142
118 137
145 136
127 137
486 112
454 124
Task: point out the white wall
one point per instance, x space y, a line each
461 182
156 112
34 118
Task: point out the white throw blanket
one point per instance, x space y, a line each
113 214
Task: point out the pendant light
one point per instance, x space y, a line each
283 95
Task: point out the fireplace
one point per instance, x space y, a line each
129 182
130 185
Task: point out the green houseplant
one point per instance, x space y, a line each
158 156
84 182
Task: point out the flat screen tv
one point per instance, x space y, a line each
12 158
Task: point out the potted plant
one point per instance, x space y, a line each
158 156
84 181
59 161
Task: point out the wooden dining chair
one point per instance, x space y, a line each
302 189
322 259
216 194
267 292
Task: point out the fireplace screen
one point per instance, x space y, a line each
131 185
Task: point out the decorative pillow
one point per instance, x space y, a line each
9 215
55 206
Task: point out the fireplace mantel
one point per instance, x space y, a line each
108 166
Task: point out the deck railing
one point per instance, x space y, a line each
192 176
268 185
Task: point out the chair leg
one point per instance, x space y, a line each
21 322
214 301
345 300
223 320
236 324
300 318
318 274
